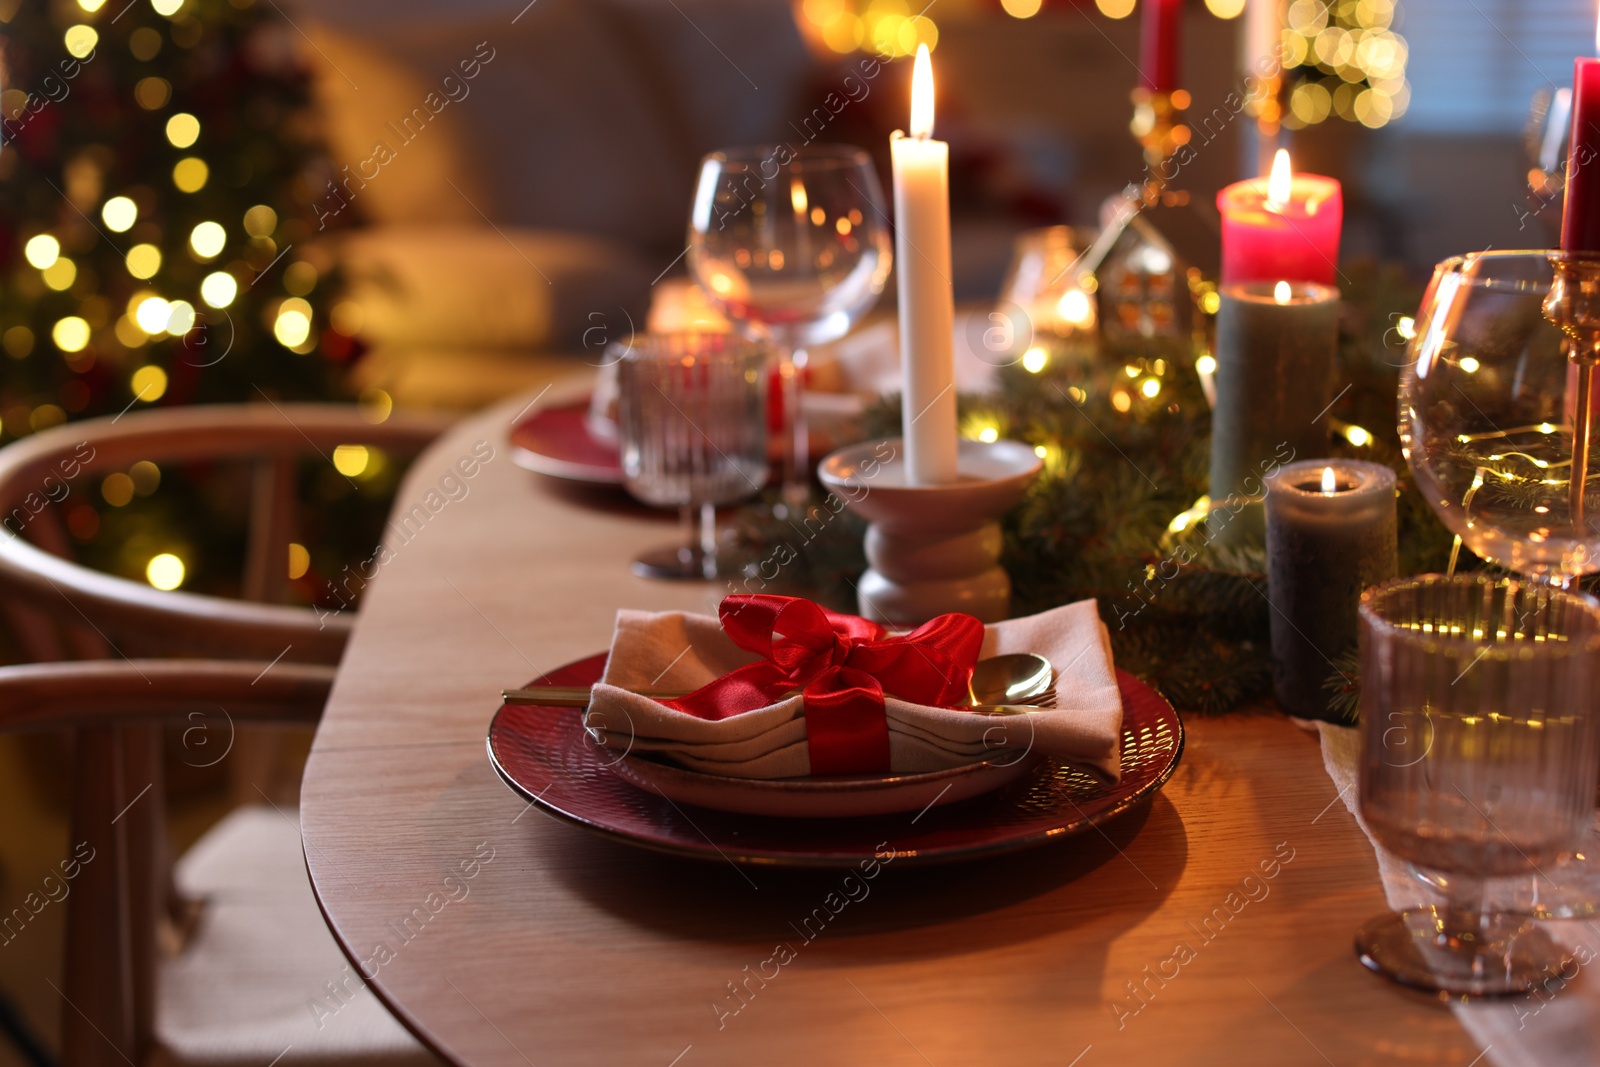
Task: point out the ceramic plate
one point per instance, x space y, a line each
835 797
545 755
556 441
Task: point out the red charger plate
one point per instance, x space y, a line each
544 754
556 441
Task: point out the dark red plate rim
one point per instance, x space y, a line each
555 440
544 755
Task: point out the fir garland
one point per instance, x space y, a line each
1124 459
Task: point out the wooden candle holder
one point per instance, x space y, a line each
932 548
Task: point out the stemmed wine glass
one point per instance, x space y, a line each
1491 424
792 245
691 421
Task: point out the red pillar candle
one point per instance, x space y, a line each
1158 45
1580 219
1285 228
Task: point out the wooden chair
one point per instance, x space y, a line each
243 888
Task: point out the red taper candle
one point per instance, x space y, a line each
1158 45
1580 219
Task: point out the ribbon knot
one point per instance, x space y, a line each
843 666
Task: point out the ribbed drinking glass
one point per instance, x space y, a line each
1480 760
691 418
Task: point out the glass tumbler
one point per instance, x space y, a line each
1481 750
691 422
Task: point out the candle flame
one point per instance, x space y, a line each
922 95
1328 482
797 196
1278 184
1282 293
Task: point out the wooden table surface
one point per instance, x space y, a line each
510 938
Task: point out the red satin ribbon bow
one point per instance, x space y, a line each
843 665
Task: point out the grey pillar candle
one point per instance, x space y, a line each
1324 546
1274 380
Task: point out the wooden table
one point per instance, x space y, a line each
567 949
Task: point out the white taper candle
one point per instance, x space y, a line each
927 301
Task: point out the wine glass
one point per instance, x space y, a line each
793 247
1490 404
1481 747
691 421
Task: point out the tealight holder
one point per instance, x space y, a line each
932 548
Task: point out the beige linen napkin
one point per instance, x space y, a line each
677 650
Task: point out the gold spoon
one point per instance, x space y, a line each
998 683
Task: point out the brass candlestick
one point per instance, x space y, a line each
1574 306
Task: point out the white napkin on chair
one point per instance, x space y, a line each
678 650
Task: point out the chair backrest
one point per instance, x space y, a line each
61 610
131 617
117 871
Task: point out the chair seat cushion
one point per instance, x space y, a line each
261 979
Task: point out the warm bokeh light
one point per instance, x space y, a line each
152 314
149 383
183 130
1035 360
1074 307
180 317
60 275
1225 9
299 561
152 93
1351 63
143 261
1022 9
208 239
41 251
117 489
119 214
167 8
218 289
80 40
190 174
350 460
260 221
70 334
375 405
891 28
300 278
1115 9
165 571
293 324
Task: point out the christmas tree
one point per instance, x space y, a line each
159 168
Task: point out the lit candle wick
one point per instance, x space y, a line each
1329 485
922 95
